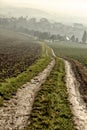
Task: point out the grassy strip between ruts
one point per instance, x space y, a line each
51 107
10 87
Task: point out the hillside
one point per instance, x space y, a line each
17 52
17 12
30 24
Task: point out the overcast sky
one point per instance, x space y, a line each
77 8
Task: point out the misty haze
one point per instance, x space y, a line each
43 65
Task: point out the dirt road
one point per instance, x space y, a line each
15 113
78 107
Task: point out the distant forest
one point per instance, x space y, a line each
43 29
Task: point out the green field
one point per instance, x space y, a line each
77 51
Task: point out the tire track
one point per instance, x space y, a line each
16 112
77 104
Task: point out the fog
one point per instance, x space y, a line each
68 11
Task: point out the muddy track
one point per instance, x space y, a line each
16 112
77 104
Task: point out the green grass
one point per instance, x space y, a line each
10 87
51 110
77 51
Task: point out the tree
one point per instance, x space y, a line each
84 38
53 37
72 38
60 38
44 35
77 40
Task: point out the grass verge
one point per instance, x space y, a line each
51 110
10 87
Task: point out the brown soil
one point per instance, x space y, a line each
81 76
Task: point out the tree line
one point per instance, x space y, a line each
40 29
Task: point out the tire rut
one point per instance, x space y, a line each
77 104
16 112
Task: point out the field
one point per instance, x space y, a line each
51 107
22 58
17 52
76 53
